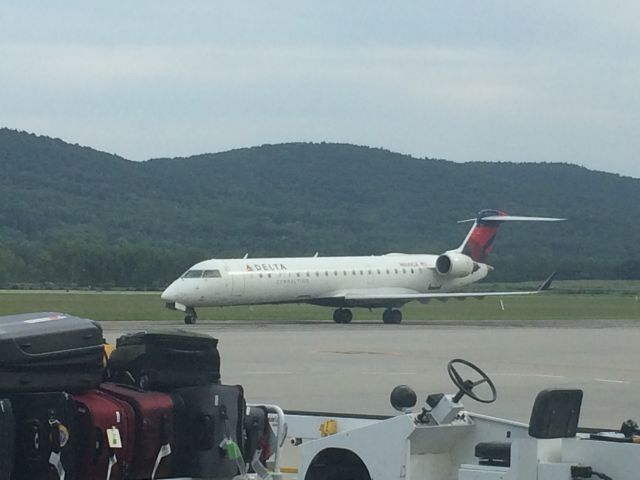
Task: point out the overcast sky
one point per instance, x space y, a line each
461 80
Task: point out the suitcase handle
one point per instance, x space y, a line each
100 435
179 351
130 387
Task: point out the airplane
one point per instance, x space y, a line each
378 281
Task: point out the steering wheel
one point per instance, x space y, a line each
466 386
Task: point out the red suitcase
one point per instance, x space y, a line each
106 428
153 430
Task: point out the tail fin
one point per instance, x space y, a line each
479 242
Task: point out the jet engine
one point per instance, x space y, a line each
455 265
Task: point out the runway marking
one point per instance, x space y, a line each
537 375
257 372
358 352
388 373
608 380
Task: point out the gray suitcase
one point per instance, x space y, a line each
48 351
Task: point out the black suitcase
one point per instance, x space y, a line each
47 351
163 360
206 418
45 436
7 439
257 433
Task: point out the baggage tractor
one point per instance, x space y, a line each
46 351
208 419
154 437
46 436
164 360
106 429
7 439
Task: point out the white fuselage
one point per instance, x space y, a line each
317 280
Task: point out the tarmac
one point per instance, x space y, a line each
322 366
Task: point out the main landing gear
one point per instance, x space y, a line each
342 315
392 316
191 316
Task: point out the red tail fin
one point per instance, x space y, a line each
479 242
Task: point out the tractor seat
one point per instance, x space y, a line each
555 414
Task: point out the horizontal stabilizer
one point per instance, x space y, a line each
514 218
479 242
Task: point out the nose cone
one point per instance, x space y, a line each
171 293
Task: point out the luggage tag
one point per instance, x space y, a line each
165 451
113 437
112 461
234 453
259 468
56 460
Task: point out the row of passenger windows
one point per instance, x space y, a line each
344 272
202 274
388 271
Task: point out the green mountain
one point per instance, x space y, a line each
72 215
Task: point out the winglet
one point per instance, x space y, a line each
547 283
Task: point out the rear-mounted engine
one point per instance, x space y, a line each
454 265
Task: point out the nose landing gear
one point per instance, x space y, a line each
191 316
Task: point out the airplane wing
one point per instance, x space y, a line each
381 297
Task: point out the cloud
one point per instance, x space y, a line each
489 81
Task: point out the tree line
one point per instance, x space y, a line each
73 216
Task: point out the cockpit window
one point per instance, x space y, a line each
211 274
192 274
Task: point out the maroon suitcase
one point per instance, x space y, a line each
153 430
106 428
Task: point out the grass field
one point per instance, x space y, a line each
602 300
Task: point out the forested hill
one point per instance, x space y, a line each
71 215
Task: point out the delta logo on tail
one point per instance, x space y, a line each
480 242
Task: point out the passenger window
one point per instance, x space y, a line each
404 270
193 274
211 274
